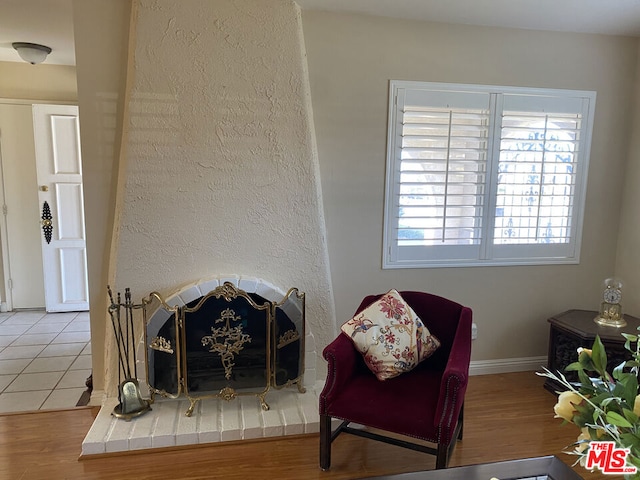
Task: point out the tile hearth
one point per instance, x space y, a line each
213 420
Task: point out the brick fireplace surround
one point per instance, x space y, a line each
213 420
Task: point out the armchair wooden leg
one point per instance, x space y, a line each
461 422
325 442
442 459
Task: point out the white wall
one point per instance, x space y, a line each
18 162
101 32
628 257
51 83
350 69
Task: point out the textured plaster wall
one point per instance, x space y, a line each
222 172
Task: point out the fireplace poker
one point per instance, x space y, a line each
129 314
115 308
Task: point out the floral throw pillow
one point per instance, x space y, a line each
390 336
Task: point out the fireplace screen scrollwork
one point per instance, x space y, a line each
227 341
224 344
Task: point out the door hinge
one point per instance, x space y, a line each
4 209
10 284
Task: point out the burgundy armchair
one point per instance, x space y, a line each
425 403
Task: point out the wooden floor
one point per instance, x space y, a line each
508 416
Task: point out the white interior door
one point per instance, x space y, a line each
59 173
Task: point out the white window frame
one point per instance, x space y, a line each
486 253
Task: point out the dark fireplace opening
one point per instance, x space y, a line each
248 368
290 351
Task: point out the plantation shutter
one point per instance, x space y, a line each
441 173
539 172
485 175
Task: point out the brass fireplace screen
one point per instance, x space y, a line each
224 344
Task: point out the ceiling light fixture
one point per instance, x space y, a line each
31 52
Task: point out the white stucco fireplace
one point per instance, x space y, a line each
218 172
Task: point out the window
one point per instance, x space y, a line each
483 175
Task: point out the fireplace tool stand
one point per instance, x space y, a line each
131 404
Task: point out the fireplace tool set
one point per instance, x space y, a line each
131 402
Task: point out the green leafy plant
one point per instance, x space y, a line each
605 406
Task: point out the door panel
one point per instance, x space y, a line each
70 212
73 267
66 153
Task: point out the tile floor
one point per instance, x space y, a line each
45 359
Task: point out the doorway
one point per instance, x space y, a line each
39 272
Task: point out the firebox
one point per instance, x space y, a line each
224 344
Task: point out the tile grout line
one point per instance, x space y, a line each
57 331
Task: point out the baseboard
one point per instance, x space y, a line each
97 398
476 367
506 365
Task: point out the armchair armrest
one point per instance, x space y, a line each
342 359
454 380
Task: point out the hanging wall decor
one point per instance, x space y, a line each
47 224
